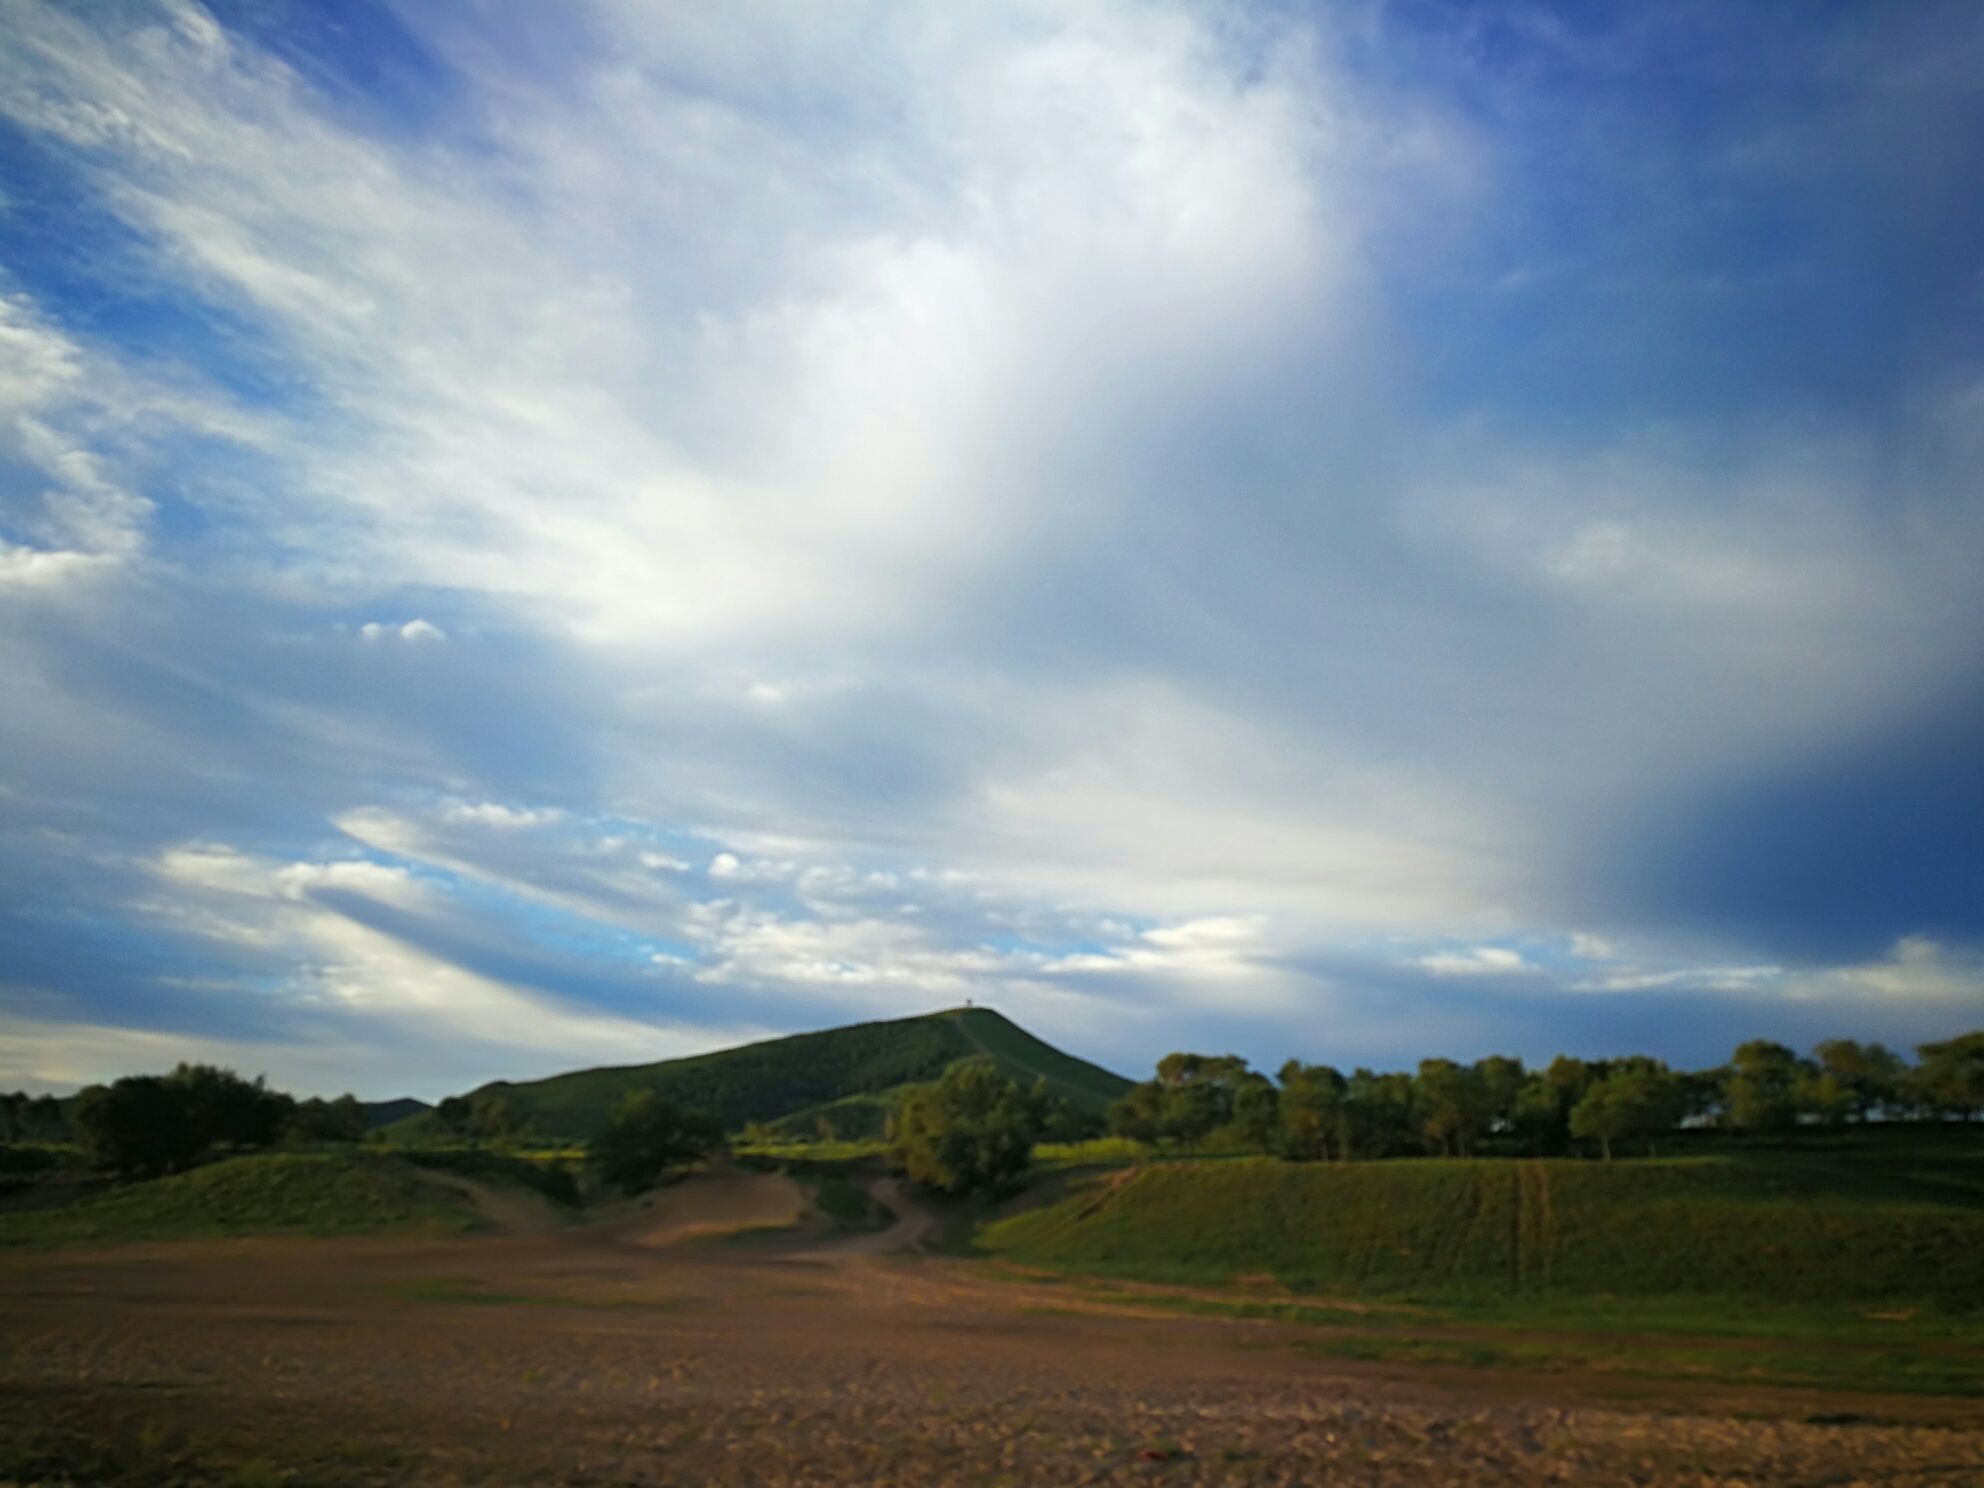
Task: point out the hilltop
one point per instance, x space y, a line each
839 1081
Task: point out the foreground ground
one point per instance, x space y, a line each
649 1351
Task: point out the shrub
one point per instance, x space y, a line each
646 1137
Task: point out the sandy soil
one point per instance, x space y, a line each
718 1203
587 1356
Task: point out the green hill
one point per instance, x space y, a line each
1783 1226
794 1080
386 1112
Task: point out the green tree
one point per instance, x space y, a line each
226 1110
1061 1120
144 1125
1138 1113
137 1127
1193 1096
1539 1120
972 1130
1950 1077
1500 1080
1637 1098
1871 1074
1822 1095
1447 1099
45 1121
1760 1091
1311 1112
1378 1114
492 1118
340 1120
1256 1112
645 1138
1702 1093
1547 1098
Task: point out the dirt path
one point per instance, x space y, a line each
723 1201
911 1227
507 1209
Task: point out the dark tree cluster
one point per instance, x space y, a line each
31 1118
1315 1112
483 1119
645 1138
145 1125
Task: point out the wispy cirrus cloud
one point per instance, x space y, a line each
649 524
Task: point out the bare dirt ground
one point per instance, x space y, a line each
592 1355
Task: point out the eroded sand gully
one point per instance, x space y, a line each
592 1356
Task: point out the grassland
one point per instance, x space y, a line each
265 1194
1850 1228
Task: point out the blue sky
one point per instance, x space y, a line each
533 536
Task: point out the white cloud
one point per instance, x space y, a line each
414 631
344 963
1916 968
1485 960
1692 978
496 814
939 470
1081 202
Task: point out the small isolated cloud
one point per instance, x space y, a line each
1591 947
415 631
728 865
496 814
1475 961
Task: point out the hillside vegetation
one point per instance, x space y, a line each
261 1194
1849 1227
851 1076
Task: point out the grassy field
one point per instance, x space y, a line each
1853 1227
810 1152
264 1194
1099 1152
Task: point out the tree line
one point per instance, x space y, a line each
1314 1111
143 1126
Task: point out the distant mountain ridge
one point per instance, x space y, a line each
838 1081
386 1112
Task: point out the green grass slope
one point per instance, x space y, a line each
1087 1086
802 1073
1770 1227
261 1194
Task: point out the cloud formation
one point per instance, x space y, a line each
534 539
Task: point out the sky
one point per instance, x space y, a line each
537 536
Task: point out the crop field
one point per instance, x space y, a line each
1745 1228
